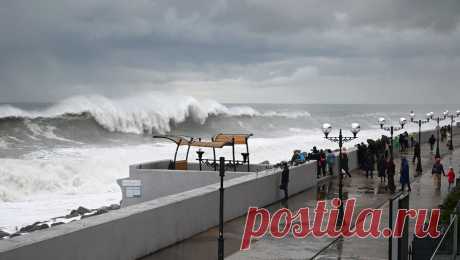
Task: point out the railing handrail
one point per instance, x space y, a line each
443 237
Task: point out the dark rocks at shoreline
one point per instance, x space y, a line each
114 206
34 227
3 234
75 214
57 224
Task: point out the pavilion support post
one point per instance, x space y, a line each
188 150
247 151
175 155
215 162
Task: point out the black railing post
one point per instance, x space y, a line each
220 252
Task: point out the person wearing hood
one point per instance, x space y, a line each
405 178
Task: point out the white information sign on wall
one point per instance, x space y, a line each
133 188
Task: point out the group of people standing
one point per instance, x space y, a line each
405 142
375 155
326 160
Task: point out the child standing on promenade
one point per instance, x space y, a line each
451 177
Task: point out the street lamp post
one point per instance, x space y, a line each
451 144
402 122
327 128
438 154
419 169
220 251
445 114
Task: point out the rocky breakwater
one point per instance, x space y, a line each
74 215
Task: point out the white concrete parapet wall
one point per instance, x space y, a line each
138 230
156 181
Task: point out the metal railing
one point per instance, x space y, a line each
447 246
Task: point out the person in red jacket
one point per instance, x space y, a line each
451 177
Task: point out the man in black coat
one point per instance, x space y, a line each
417 152
285 179
432 141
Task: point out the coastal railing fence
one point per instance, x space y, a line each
398 247
447 246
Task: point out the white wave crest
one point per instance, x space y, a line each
147 113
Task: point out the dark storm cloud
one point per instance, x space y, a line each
51 49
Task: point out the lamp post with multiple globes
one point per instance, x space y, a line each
402 122
340 139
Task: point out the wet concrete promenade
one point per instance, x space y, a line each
370 193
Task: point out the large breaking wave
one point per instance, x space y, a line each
150 112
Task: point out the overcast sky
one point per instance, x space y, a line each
354 51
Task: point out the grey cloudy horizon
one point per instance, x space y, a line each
357 51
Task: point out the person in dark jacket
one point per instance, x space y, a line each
344 163
405 178
436 171
382 167
370 161
432 141
322 162
417 152
285 179
315 156
391 170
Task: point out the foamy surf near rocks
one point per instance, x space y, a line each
75 214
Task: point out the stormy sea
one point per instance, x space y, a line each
55 157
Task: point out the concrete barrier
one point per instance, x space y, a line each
141 229
138 230
156 182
